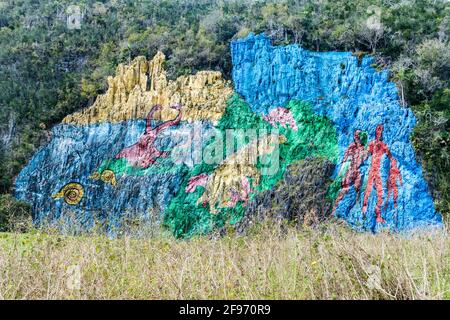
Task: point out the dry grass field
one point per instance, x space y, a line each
331 262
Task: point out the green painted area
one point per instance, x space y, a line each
315 137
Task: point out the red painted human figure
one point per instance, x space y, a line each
143 153
357 154
377 148
394 175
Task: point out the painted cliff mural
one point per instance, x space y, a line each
199 152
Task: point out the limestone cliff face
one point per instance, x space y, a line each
121 158
142 84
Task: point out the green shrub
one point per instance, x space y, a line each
15 215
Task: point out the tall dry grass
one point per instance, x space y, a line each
270 263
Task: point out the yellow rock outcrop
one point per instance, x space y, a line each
142 84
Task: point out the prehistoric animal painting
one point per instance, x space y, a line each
229 183
283 116
117 158
107 176
72 193
143 153
196 181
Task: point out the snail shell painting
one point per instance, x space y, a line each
107 176
72 193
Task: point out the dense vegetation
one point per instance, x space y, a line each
271 262
51 66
